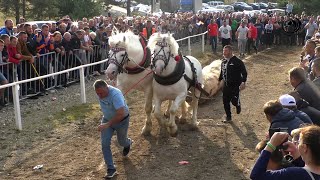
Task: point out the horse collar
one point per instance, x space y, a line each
146 61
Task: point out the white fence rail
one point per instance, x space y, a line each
15 85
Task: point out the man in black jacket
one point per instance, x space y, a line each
233 77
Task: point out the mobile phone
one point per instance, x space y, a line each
273 130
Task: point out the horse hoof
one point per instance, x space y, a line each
174 134
145 132
183 120
173 130
166 115
194 127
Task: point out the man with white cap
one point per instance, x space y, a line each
288 101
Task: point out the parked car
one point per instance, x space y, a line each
205 6
39 23
226 8
241 6
276 11
255 6
263 5
274 5
215 3
211 10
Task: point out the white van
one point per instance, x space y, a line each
215 3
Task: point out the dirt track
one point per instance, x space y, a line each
68 144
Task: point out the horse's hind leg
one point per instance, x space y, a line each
167 113
148 108
194 106
184 112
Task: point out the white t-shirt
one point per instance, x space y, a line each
311 29
86 38
225 32
242 32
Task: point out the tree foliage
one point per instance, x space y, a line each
308 6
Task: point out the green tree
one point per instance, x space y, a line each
308 6
10 7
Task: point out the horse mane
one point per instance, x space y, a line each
124 40
157 37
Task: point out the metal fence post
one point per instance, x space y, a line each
82 86
202 43
16 103
189 46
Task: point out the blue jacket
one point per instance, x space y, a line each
259 171
286 119
303 116
5 31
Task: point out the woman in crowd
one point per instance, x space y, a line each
306 144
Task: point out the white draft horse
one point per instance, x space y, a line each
129 63
174 75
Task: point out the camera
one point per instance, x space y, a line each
273 130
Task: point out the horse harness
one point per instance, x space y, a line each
145 63
178 72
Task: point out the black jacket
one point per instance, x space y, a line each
309 92
233 72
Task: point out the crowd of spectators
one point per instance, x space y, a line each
65 36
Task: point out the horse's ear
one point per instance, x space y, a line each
124 38
159 34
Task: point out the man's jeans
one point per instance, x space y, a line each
242 45
214 42
122 136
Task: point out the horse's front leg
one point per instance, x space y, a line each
148 108
157 112
172 127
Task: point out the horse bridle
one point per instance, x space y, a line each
164 58
113 59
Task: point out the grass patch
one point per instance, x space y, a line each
76 114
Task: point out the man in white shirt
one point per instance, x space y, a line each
225 34
289 8
242 35
311 27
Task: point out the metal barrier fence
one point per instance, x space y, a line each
53 70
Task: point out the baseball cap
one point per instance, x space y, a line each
287 100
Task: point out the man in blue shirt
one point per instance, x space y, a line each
8 29
115 118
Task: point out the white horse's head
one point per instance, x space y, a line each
121 47
165 48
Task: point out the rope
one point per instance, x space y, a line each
137 83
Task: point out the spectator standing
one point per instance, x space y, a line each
148 30
289 8
242 35
225 34
233 77
115 118
269 34
8 29
307 61
260 31
311 27
3 79
213 34
252 37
